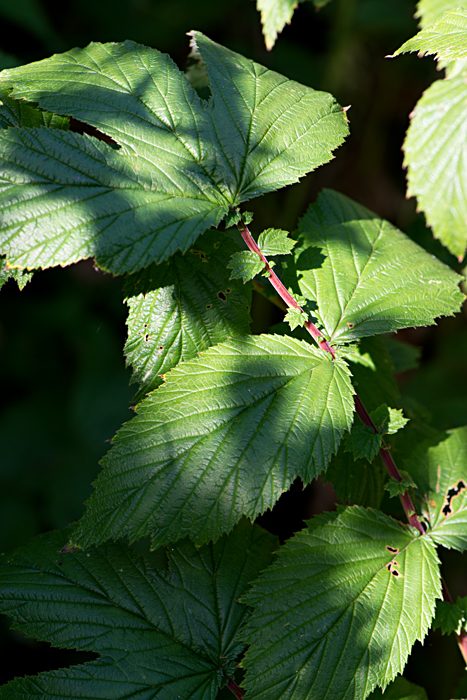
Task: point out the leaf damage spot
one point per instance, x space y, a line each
209 306
350 324
222 296
159 350
392 568
201 254
393 550
452 493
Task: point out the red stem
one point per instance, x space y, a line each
325 345
235 689
282 291
462 637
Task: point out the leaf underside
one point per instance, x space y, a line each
365 276
224 436
275 14
160 634
440 473
182 307
175 164
340 609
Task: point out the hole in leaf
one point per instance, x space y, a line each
393 550
222 296
452 493
159 350
350 324
227 291
201 254
209 306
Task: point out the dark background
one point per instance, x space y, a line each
64 386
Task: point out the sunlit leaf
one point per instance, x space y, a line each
447 37
223 437
339 610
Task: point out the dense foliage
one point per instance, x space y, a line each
112 152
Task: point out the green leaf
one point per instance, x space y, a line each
451 618
224 436
403 355
22 277
400 689
355 481
397 488
441 476
275 241
295 318
363 442
19 113
245 265
388 420
428 11
180 161
437 172
339 610
182 307
160 634
275 14
366 276
447 37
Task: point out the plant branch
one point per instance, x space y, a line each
363 414
281 290
391 467
462 637
234 688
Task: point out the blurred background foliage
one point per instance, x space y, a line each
65 389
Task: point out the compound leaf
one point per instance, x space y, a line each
174 164
223 437
338 612
440 473
447 37
181 307
437 172
365 276
160 634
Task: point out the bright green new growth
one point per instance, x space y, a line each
365 276
428 11
440 473
182 307
397 488
274 241
166 634
245 265
295 318
275 14
364 443
174 164
339 610
224 436
446 38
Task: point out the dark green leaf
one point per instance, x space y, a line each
403 355
181 161
182 307
400 689
388 420
397 488
339 610
440 473
224 436
373 374
159 634
363 442
355 481
366 276
451 618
